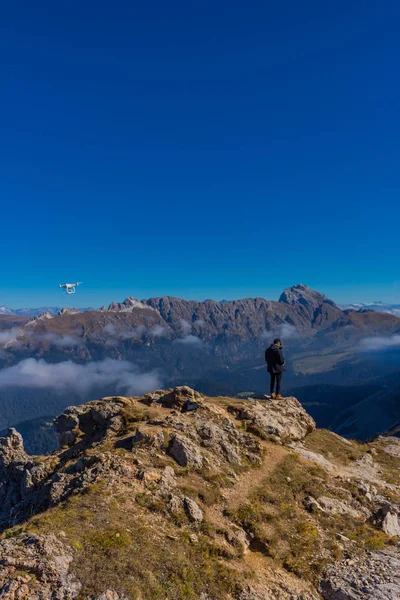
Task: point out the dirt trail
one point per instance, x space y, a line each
273 456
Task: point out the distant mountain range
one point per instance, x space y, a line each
53 360
393 309
28 312
378 306
34 312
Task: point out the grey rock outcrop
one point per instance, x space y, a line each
92 419
127 446
335 506
13 460
387 517
375 576
44 566
193 510
185 452
284 418
179 396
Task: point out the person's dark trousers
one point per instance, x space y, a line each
276 378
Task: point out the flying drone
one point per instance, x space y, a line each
69 287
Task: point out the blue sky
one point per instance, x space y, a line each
213 149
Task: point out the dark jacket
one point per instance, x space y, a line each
274 359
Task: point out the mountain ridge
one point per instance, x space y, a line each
217 347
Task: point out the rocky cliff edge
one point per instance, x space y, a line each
175 495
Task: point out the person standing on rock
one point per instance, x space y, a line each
276 366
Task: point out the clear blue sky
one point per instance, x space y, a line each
202 149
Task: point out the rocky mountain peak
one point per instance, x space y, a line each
68 311
128 305
316 307
44 316
302 294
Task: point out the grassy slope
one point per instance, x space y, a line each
124 538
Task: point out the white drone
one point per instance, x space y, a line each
69 287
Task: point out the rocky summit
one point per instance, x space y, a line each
175 495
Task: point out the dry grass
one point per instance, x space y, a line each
333 448
131 547
281 528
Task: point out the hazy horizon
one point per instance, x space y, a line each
84 299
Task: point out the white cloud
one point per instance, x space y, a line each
16 335
285 331
393 311
190 340
288 332
110 329
124 334
199 322
157 331
58 340
186 327
69 376
9 335
380 343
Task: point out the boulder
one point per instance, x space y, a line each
224 440
334 506
193 510
12 448
185 452
146 436
190 406
179 397
387 516
152 397
92 420
391 524
284 418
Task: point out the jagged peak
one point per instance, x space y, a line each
128 305
44 316
68 311
303 294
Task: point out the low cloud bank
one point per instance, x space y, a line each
115 334
134 332
186 327
15 335
58 339
372 344
190 340
124 376
9 335
284 331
